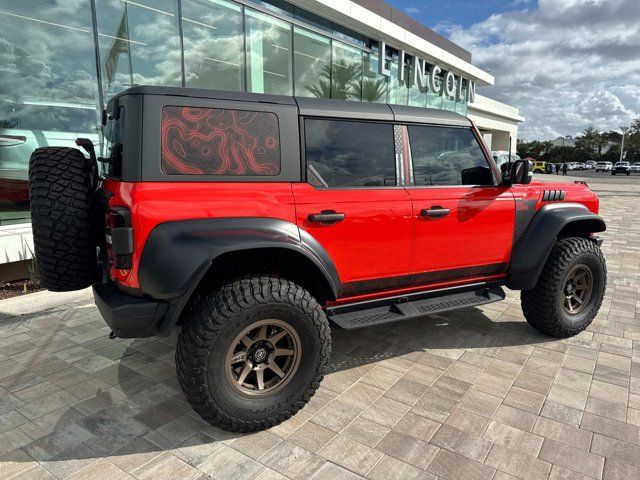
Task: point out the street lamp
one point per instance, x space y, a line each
624 130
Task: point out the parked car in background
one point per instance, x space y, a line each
604 166
591 164
623 168
580 166
26 126
635 168
538 166
571 165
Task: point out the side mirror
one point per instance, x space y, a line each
521 172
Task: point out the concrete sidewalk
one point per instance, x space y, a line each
471 394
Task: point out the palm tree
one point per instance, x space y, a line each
373 90
341 80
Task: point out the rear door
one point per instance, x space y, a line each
463 222
352 203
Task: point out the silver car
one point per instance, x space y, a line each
27 125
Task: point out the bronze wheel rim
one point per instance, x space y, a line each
263 358
578 288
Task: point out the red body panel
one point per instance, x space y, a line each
477 231
382 236
374 239
152 203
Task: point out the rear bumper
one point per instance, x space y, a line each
129 316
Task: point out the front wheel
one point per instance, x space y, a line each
252 353
570 289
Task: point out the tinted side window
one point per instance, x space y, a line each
215 141
343 153
447 156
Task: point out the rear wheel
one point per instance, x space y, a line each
62 183
251 354
570 289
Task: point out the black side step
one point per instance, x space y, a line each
417 308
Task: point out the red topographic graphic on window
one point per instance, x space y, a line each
213 141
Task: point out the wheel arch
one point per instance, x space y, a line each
552 221
180 257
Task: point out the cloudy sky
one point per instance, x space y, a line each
566 64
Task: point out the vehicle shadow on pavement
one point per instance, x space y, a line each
132 409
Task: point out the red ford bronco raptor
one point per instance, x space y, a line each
256 221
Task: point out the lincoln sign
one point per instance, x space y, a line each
427 78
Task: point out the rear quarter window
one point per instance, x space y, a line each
216 141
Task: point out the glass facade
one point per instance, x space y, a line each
57 66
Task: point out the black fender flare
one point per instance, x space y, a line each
178 254
530 254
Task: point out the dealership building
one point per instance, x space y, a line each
61 60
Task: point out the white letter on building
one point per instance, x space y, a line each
382 54
419 73
401 67
435 71
449 84
471 92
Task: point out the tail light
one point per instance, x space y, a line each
119 237
11 140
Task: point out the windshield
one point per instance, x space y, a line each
48 116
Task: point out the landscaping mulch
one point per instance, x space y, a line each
16 288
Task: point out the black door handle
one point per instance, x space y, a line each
326 217
434 212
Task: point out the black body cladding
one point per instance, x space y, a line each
530 256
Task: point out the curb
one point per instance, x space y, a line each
40 301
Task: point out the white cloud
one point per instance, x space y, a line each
566 64
413 10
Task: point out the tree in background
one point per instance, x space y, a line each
589 146
535 149
632 142
591 143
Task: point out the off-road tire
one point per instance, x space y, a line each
543 305
61 194
215 319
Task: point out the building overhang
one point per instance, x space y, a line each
367 22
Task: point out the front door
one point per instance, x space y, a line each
463 223
352 204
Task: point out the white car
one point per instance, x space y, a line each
604 166
590 164
635 168
572 166
33 124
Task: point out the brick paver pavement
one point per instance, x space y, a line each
471 394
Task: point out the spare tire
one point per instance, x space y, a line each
61 193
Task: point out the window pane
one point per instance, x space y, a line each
268 54
312 64
417 95
213 56
374 85
461 103
139 44
214 141
349 154
434 100
397 91
447 156
346 78
48 89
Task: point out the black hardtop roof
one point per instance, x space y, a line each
316 107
